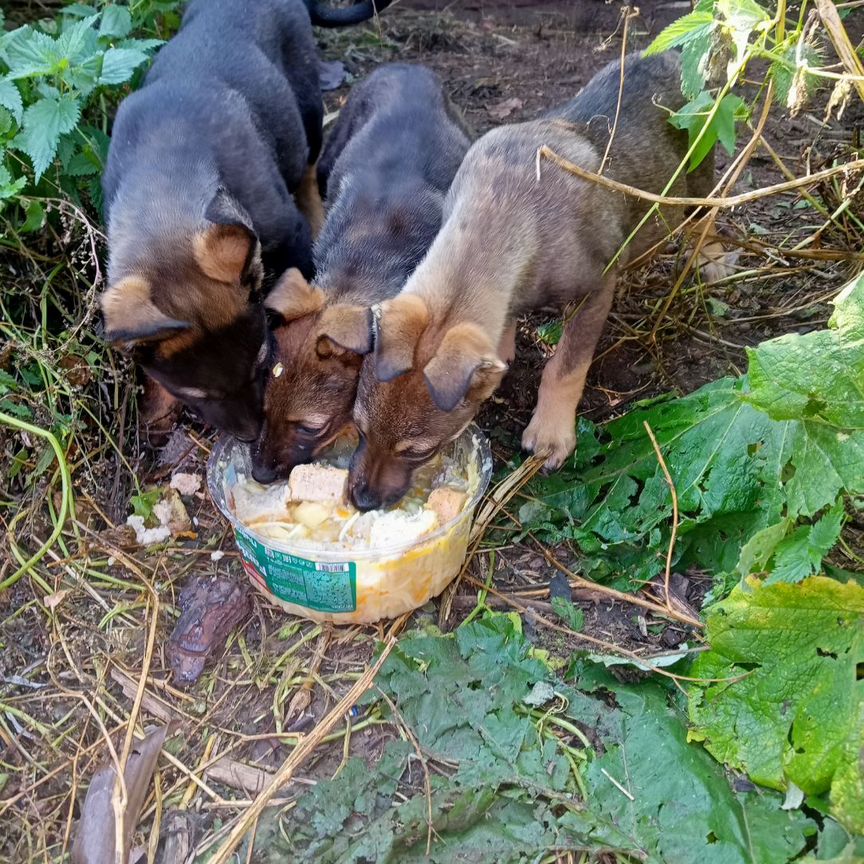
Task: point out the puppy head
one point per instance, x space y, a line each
437 383
188 312
312 383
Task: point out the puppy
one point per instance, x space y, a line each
388 164
513 240
198 188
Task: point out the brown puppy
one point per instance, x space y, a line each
388 164
515 239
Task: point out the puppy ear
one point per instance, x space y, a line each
226 248
465 362
344 328
399 327
293 297
131 316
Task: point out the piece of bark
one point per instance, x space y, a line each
211 609
238 775
176 839
95 836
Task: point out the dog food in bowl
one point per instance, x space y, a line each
312 553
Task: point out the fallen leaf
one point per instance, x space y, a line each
211 610
52 601
504 109
94 839
239 775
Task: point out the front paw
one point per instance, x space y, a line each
556 443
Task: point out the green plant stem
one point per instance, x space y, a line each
66 504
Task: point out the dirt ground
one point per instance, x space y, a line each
501 62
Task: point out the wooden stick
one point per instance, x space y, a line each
721 203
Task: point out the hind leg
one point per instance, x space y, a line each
309 203
552 430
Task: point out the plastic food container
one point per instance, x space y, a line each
355 586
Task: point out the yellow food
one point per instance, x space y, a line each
393 560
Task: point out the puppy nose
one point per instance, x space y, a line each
365 498
263 474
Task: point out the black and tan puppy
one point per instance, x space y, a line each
388 165
205 163
513 240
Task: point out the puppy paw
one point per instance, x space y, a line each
556 443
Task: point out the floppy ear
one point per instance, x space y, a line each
293 297
226 248
400 325
466 361
132 316
344 328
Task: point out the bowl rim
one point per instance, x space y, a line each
226 443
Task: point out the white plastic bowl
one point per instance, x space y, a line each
360 586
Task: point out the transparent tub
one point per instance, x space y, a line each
350 586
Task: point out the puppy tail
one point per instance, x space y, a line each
323 16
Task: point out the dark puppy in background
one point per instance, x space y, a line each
387 166
517 236
204 162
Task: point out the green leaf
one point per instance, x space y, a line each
35 217
800 555
682 31
10 98
119 64
721 126
760 548
793 710
818 376
143 504
681 800
10 188
44 122
29 53
116 21
507 796
694 64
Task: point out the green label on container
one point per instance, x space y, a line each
322 586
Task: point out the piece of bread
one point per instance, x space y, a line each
447 502
318 483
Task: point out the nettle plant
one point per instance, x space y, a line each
57 81
717 41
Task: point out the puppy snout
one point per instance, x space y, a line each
263 474
365 498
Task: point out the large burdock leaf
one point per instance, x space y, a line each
95 840
794 709
753 459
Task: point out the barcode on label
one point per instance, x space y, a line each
332 568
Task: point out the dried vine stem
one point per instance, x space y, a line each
668 574
720 203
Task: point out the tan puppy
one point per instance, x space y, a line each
513 241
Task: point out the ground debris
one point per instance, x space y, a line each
211 609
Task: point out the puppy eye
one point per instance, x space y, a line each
420 454
308 429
